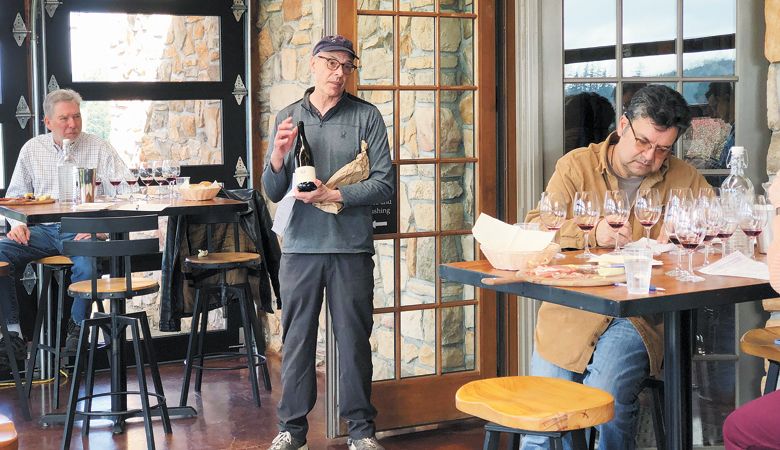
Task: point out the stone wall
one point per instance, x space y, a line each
287 31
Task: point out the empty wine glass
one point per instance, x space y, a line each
677 197
647 209
752 219
712 214
586 211
552 212
690 228
729 220
616 212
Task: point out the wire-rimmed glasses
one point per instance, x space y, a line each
616 212
586 211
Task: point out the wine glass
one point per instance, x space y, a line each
115 179
552 212
98 182
729 220
586 211
677 197
712 220
752 219
616 212
157 174
690 228
647 209
171 170
131 178
146 174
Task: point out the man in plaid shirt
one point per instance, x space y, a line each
36 172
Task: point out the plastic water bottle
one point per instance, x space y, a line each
736 188
66 175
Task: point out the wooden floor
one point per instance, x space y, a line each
227 419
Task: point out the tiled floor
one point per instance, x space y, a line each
227 419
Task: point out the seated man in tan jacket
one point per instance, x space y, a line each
614 354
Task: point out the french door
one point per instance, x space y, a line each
429 66
160 79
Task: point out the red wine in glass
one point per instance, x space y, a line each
585 226
673 239
132 182
709 237
114 182
647 224
722 235
147 181
616 225
752 233
98 182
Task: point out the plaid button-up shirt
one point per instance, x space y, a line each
36 167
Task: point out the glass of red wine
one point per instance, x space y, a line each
677 197
586 211
647 209
146 174
616 212
752 219
159 177
171 170
712 221
729 220
115 179
131 178
690 228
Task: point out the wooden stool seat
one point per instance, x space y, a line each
535 403
761 342
111 287
8 437
223 259
56 260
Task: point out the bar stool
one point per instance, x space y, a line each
540 406
219 263
119 249
760 342
5 270
656 388
53 267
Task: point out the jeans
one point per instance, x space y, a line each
45 240
619 366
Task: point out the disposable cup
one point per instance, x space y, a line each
638 264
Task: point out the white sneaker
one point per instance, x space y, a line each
369 443
285 441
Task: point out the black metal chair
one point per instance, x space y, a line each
5 270
656 387
119 250
207 267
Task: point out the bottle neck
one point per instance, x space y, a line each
738 166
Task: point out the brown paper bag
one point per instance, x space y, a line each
353 172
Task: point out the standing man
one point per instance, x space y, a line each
614 354
331 252
36 172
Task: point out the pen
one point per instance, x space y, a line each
652 288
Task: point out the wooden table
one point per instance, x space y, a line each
54 212
676 304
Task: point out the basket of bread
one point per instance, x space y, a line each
509 247
205 190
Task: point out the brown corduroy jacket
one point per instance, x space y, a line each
565 336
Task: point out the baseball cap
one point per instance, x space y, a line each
335 43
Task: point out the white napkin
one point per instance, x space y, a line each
495 234
738 265
608 259
140 206
94 206
283 213
655 245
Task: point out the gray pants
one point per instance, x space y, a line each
349 281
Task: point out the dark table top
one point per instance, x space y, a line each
615 301
53 212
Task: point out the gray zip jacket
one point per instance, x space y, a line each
335 141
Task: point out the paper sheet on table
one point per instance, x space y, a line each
283 213
94 206
608 259
656 246
738 265
140 206
493 233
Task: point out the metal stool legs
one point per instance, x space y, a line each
9 351
493 432
139 328
254 345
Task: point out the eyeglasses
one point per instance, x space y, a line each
645 145
334 64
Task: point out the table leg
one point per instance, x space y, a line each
677 379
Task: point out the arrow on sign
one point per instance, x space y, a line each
380 224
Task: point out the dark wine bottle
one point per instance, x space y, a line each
304 163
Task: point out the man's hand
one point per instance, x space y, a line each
319 195
85 236
19 234
774 193
286 133
605 234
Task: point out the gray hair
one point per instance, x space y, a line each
661 104
60 95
